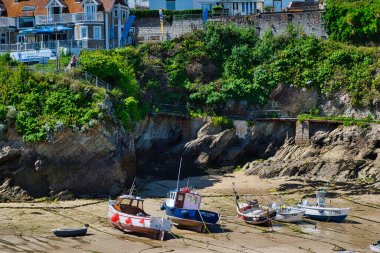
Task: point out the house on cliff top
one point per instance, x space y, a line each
91 23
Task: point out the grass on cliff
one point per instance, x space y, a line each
45 103
347 121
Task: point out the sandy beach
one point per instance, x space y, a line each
26 227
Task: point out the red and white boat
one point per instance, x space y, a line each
127 214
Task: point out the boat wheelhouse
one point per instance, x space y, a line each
183 208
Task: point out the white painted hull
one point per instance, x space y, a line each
375 248
139 224
289 215
325 213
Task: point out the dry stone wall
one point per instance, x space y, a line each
311 23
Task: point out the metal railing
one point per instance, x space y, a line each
7 22
51 44
94 80
69 18
183 111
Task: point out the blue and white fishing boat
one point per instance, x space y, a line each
183 207
375 247
321 212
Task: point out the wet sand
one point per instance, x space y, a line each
26 227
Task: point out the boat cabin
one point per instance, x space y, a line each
184 198
130 205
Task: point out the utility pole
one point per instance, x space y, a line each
57 48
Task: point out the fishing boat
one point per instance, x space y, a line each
253 213
127 214
322 212
183 207
70 232
287 213
375 247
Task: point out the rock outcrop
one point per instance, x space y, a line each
204 148
96 162
345 153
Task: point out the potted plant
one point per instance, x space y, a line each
217 10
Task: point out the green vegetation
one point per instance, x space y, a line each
347 121
222 122
356 21
168 14
207 71
45 102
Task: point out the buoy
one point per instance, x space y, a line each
128 220
115 218
141 221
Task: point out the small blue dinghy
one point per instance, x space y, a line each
70 232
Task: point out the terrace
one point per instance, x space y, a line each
69 18
7 22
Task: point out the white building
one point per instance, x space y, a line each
242 7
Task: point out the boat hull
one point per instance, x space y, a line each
69 232
191 218
327 214
375 248
153 226
292 215
255 215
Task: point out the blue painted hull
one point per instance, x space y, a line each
338 219
193 215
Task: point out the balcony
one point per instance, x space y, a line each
69 18
7 22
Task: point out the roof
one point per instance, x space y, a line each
24 8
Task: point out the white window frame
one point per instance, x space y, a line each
80 32
100 32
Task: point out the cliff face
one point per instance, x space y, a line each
345 153
97 162
204 148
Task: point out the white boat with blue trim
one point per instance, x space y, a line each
375 247
287 213
322 212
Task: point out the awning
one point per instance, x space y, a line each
46 30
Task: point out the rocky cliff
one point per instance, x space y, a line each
92 162
345 153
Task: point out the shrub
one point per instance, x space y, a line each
222 122
3 112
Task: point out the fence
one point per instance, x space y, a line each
51 44
95 80
184 111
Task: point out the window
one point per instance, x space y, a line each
235 6
27 22
3 38
115 13
90 11
243 7
20 38
83 32
97 32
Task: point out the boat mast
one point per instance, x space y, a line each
235 193
132 187
179 173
